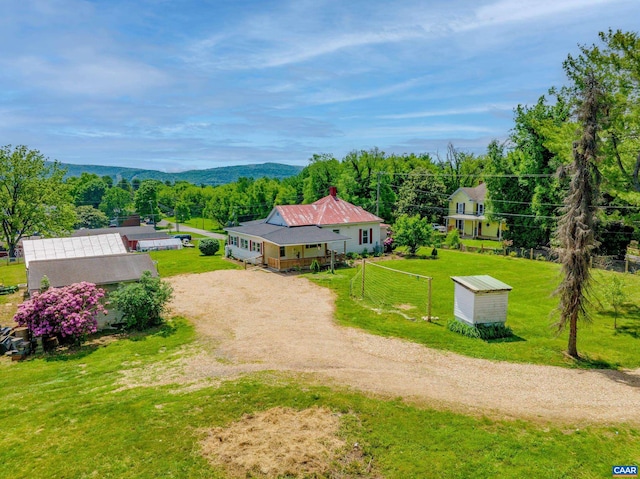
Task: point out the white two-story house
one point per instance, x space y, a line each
467 214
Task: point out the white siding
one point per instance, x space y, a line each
353 231
463 304
244 253
479 308
491 307
276 219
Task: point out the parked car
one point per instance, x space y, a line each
183 236
439 228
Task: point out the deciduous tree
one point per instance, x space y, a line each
412 232
33 197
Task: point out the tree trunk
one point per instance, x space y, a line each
636 174
572 348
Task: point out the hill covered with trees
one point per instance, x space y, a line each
209 176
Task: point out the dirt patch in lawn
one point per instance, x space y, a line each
278 442
253 320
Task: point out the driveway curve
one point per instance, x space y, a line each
256 320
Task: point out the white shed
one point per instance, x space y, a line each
159 244
480 299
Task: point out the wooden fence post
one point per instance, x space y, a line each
363 267
429 302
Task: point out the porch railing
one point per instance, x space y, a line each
302 263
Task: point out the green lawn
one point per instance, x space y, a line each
66 416
530 313
201 223
477 243
12 274
189 260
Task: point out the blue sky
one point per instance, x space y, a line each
174 85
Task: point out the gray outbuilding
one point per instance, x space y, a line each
480 299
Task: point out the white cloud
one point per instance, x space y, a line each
517 11
89 74
333 96
449 112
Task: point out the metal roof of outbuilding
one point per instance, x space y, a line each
99 270
481 283
78 247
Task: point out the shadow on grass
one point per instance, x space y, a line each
585 362
164 330
510 339
72 353
103 338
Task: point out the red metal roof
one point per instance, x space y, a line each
329 210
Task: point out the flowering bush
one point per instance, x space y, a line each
68 312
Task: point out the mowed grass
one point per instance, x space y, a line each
531 312
68 416
11 275
190 260
200 223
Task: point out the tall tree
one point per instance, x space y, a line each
459 169
423 193
146 199
116 202
90 217
522 186
33 196
322 172
616 65
575 232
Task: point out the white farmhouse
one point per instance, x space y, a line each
295 235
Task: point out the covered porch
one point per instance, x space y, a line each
286 264
283 248
475 226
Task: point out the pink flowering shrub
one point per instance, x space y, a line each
68 312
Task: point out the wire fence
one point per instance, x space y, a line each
7 260
630 264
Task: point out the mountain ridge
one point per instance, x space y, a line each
210 176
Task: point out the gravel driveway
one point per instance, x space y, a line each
255 320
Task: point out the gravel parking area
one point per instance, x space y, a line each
255 320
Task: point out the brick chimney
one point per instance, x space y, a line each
333 191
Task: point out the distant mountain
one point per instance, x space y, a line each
211 176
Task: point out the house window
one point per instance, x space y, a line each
233 240
480 209
282 253
336 232
312 246
365 236
257 247
460 208
244 244
460 225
